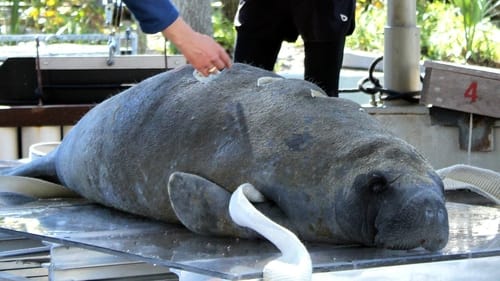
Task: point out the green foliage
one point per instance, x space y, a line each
57 16
474 13
369 32
363 5
442 29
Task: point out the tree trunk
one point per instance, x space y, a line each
197 13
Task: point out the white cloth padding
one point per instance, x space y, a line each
34 187
482 181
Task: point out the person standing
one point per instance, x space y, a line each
262 26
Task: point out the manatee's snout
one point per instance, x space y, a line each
420 221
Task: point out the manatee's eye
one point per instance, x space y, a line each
377 182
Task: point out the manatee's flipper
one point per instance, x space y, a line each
202 206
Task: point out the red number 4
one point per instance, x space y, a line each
471 92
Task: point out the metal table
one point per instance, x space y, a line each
474 238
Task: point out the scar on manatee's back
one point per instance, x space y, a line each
298 142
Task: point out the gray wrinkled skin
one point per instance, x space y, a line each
329 170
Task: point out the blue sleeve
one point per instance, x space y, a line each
153 15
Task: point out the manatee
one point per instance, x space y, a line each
173 148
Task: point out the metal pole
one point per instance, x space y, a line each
402 47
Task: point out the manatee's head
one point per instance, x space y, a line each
394 209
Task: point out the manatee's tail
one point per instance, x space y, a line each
42 168
31 181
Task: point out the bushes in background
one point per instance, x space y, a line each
443 28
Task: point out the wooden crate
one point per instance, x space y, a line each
463 88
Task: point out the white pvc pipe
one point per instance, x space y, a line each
32 135
8 143
402 13
402 47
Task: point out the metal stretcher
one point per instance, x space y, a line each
473 248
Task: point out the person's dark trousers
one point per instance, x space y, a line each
322 64
256 51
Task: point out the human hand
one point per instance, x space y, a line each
200 50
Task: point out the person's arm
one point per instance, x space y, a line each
153 15
200 50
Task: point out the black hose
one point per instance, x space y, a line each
376 87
